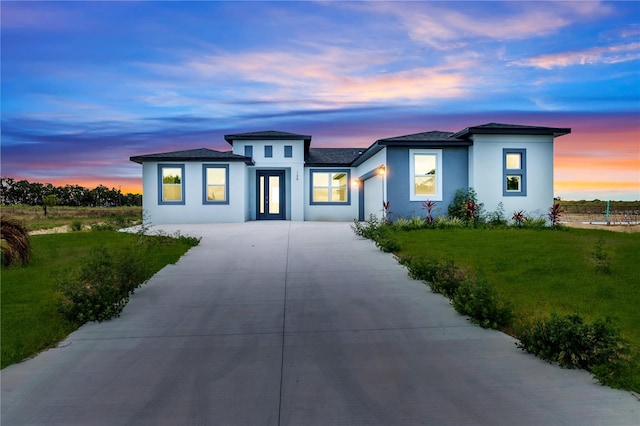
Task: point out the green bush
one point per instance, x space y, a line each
443 222
480 302
442 277
447 279
465 206
103 227
573 343
534 223
387 244
100 287
371 229
76 226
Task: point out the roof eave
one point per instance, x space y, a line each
142 159
438 143
551 131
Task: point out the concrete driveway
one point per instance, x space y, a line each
287 323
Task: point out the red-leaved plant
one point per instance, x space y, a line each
555 212
518 218
430 207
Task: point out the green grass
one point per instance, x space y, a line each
545 271
30 321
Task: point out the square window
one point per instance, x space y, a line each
514 183
514 160
248 151
330 187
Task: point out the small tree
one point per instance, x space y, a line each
15 241
49 201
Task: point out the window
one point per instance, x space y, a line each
330 187
248 151
514 172
171 184
425 174
216 190
288 151
268 151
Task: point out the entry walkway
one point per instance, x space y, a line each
287 323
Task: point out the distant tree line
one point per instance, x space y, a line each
47 195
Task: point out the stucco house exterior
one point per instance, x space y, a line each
273 175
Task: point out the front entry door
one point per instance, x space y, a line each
271 202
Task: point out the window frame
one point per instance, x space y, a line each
268 151
248 151
519 172
288 151
347 172
205 184
437 196
161 200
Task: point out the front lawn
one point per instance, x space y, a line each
30 320
589 272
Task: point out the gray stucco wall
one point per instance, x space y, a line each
455 175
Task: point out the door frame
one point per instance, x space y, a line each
266 173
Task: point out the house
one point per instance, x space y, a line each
278 175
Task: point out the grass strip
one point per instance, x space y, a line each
29 318
589 272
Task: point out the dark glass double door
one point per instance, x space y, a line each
270 189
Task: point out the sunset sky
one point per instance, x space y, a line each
86 85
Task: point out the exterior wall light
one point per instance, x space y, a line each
382 170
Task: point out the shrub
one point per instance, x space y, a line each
446 279
442 277
572 343
465 206
443 222
102 227
15 242
100 288
480 302
370 229
387 244
76 226
497 219
418 268
534 223
408 224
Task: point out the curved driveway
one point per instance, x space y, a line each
290 323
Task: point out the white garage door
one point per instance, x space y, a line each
373 197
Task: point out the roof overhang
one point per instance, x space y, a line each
512 130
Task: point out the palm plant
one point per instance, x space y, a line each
14 240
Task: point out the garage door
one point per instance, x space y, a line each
373 197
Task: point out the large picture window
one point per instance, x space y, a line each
215 184
171 184
425 174
330 187
514 179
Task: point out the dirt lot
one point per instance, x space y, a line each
589 221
